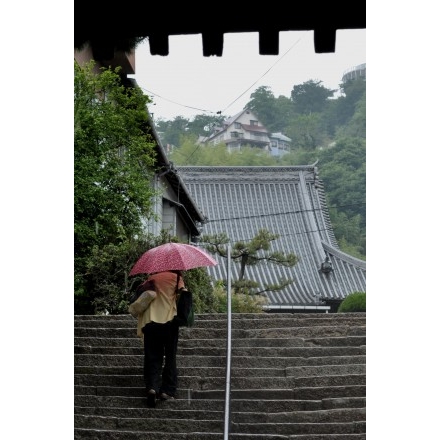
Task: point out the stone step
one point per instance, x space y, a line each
301 371
299 393
203 383
241 320
208 425
136 342
213 362
215 332
250 405
325 370
148 424
293 428
165 413
293 376
307 393
324 341
264 358
211 351
98 434
239 323
89 403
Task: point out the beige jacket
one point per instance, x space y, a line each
163 308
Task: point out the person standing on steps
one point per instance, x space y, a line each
160 334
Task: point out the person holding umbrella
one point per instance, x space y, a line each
160 335
156 325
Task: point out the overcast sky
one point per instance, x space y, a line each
186 83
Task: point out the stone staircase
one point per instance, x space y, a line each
293 376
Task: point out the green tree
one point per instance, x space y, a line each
356 126
342 168
251 253
240 303
201 125
263 104
343 171
199 283
114 156
250 156
341 111
170 132
274 113
310 97
350 233
191 153
286 113
305 131
107 274
354 90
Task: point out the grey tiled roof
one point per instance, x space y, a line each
288 201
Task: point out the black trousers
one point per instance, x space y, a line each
160 350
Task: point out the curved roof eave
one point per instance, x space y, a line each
191 211
343 256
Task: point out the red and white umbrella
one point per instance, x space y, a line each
172 256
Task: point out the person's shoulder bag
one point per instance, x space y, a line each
185 307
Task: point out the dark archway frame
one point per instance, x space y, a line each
115 26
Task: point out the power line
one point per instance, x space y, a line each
191 155
177 103
280 235
264 74
273 214
235 100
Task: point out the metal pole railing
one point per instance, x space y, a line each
228 353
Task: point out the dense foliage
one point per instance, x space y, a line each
253 252
354 302
113 157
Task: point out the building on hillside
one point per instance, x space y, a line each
279 144
356 72
174 211
244 129
288 201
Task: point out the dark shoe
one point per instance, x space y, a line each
165 396
151 399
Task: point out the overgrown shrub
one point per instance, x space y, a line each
199 283
354 302
240 303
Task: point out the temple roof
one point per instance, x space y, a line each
288 201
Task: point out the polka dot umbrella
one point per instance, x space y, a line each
172 256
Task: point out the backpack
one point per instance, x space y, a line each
185 307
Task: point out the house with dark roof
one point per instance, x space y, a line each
244 129
288 201
175 210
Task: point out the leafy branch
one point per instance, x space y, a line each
251 253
